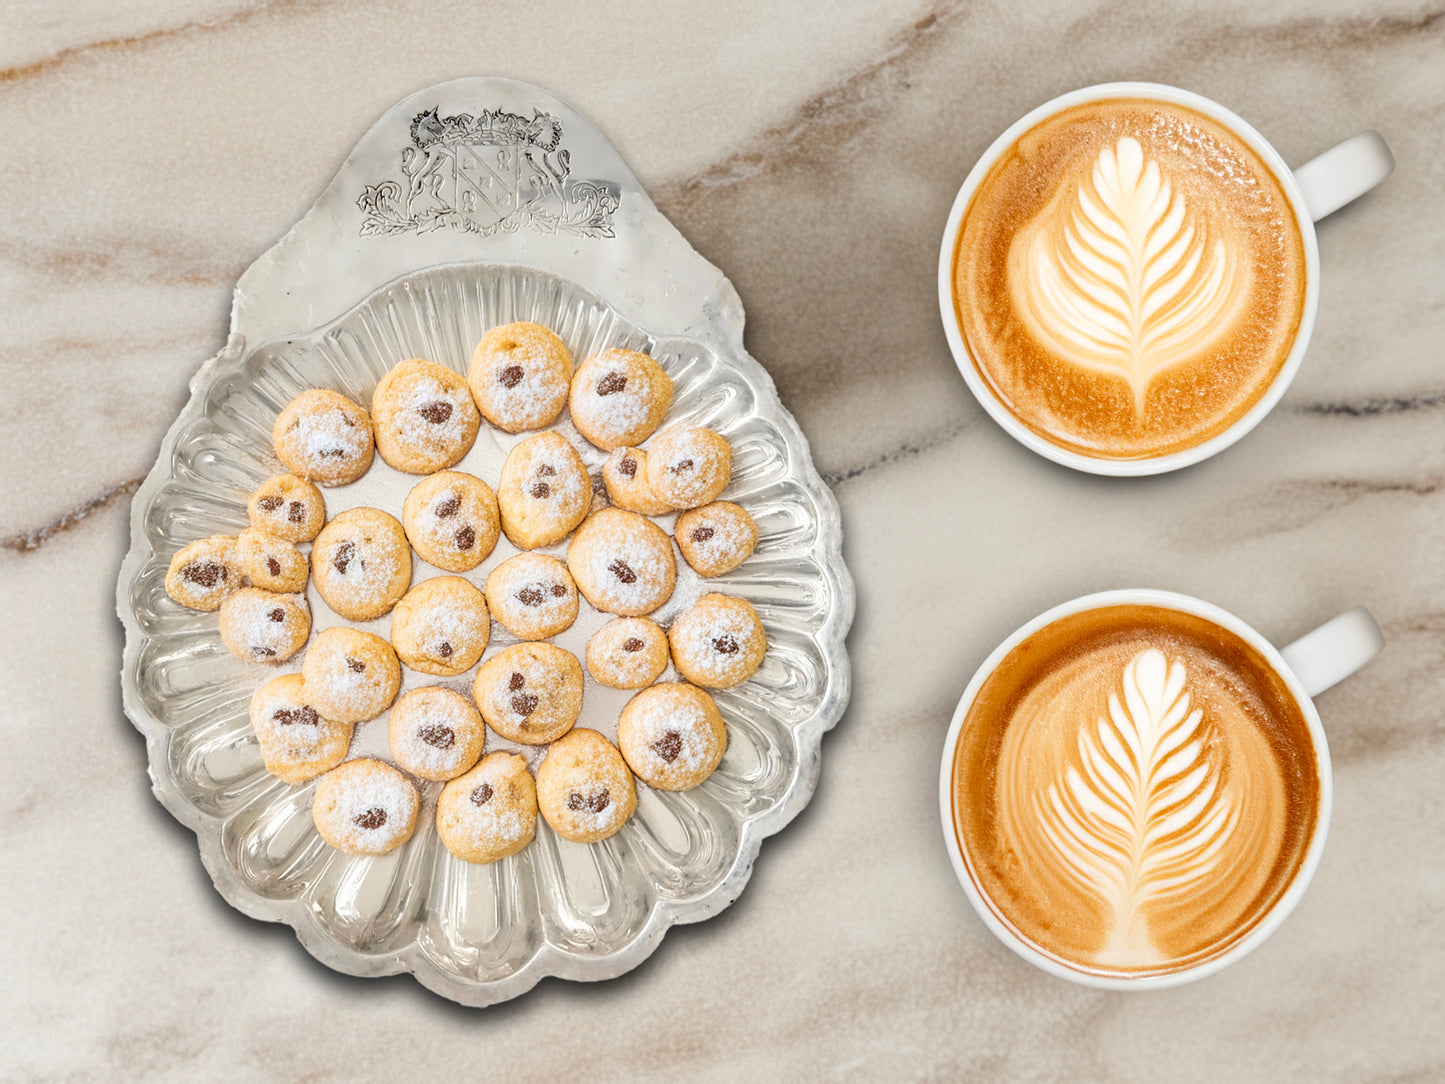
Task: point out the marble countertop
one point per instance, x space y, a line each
156 149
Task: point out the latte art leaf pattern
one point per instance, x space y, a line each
1122 276
1141 815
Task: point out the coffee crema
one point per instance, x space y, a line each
1129 278
1134 790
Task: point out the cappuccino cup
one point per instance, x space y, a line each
1135 788
1129 276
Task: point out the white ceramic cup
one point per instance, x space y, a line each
1318 188
1308 666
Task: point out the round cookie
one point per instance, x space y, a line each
203 573
627 653
350 675
324 437
584 788
297 742
287 507
441 627
451 520
619 397
271 562
365 807
622 562
262 626
491 811
435 733
530 693
532 596
544 491
361 563
424 417
719 642
625 476
688 466
520 375
672 736
716 538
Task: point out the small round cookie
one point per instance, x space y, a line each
672 736
424 417
716 538
435 733
350 675
262 626
361 563
532 596
441 627
627 653
619 397
271 561
544 491
625 476
719 642
520 375
530 693
491 811
584 788
203 573
324 437
688 466
622 562
297 742
287 507
365 807
451 520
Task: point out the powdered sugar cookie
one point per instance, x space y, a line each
261 626
441 626
203 573
530 693
544 491
520 374
271 562
350 675
672 736
287 507
297 742
451 520
622 562
491 811
532 596
424 417
365 807
435 733
361 563
688 466
584 788
324 437
627 653
716 538
719 642
619 397
625 476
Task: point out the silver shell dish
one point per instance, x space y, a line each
477 202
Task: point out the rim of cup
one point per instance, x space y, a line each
963 359
1271 921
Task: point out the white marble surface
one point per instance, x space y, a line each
155 150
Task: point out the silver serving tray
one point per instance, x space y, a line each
473 203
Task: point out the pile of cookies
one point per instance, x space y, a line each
424 418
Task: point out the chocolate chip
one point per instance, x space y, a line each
725 645
701 534
575 801
333 453
263 652
270 504
541 490
273 566
448 507
436 413
344 553
466 538
596 803
529 596
372 818
516 681
482 795
347 421
356 666
622 571
207 575
558 591
681 466
305 715
628 467
668 746
524 704
511 376
296 512
546 470
445 649
277 614
632 643
611 384
437 736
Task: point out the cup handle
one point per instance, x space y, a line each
1335 650
1344 173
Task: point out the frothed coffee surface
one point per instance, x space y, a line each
1134 789
1129 278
